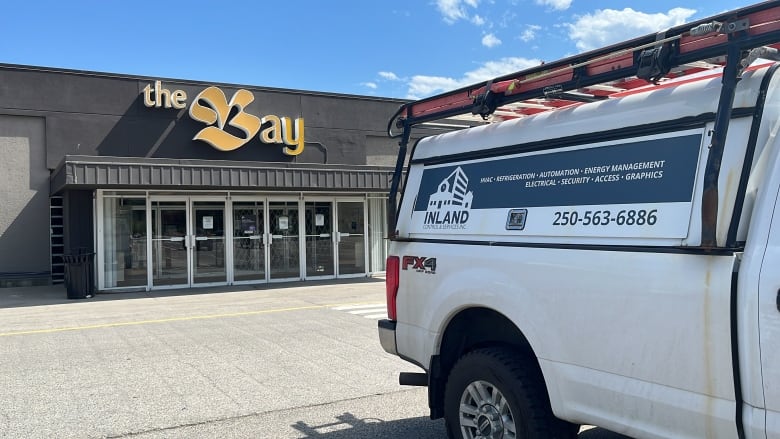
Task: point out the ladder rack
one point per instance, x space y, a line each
726 40
643 58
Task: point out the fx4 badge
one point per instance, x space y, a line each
420 264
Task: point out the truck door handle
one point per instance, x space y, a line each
777 300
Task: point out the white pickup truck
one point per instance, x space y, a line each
609 252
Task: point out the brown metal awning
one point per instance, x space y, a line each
91 172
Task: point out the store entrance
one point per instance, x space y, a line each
208 249
156 241
266 240
318 230
188 242
170 255
284 240
249 241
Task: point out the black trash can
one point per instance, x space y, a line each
79 275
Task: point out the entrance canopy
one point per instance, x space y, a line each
90 172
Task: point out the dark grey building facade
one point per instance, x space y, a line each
175 183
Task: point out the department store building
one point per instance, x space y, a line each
174 183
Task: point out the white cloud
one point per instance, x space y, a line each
490 40
609 26
508 19
479 21
454 10
558 5
530 32
371 85
422 86
451 10
390 76
492 69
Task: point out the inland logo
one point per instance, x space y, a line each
449 206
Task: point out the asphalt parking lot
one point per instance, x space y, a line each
277 361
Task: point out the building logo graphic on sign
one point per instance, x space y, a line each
212 108
449 206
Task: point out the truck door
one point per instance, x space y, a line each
769 327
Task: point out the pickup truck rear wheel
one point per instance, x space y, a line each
493 394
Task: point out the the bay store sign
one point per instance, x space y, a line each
212 108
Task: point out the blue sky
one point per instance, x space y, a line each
399 48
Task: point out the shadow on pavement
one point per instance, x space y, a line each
56 295
600 433
348 426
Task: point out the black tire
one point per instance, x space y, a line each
516 403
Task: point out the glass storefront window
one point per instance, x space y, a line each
124 242
377 229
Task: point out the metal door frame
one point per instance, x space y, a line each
301 244
227 222
264 238
189 238
334 244
150 242
361 200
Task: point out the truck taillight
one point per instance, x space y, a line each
391 284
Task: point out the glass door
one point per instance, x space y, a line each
283 240
170 256
248 241
208 249
318 230
351 237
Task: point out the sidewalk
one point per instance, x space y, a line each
14 297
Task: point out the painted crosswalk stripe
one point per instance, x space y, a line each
376 316
364 305
370 311
366 311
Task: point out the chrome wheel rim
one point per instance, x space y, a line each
485 413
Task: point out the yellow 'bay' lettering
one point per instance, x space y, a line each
293 135
217 109
283 130
272 133
212 108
